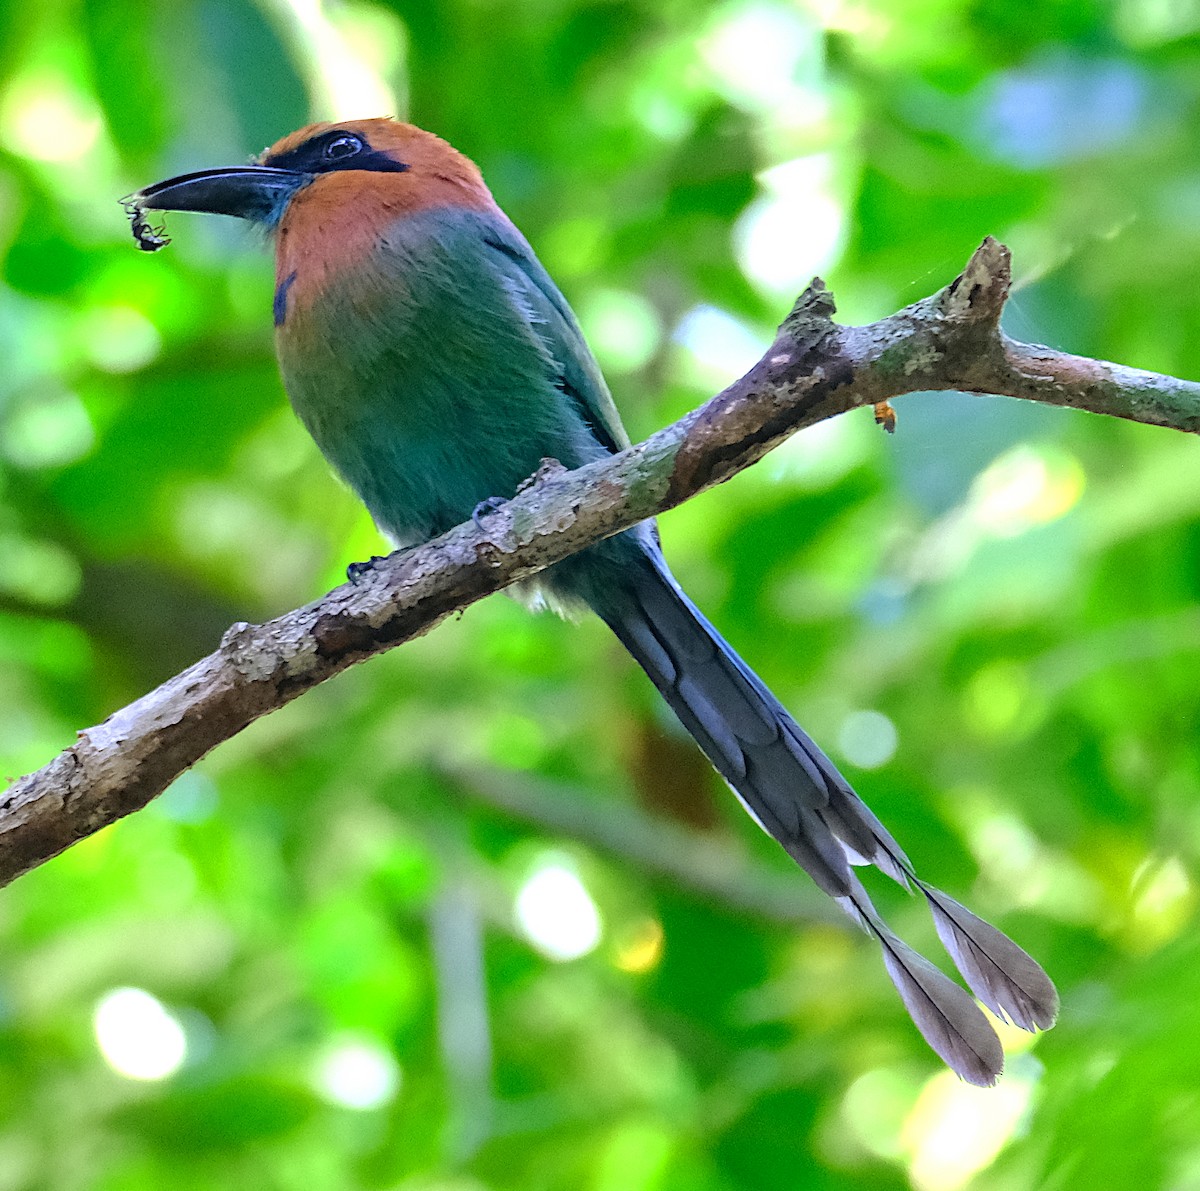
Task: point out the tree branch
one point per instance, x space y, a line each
814 370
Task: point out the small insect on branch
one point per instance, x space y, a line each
149 239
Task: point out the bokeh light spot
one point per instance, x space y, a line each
868 739
955 1130
874 1108
44 118
820 455
640 946
556 913
1061 107
757 52
794 229
722 346
622 328
357 1072
1025 487
1166 901
138 1036
119 338
996 695
49 430
38 570
349 56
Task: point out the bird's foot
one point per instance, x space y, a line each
484 507
356 570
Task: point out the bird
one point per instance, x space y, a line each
436 365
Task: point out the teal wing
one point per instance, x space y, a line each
553 322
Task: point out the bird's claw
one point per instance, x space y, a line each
484 507
356 570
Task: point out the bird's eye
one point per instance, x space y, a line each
342 146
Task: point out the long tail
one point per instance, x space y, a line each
799 798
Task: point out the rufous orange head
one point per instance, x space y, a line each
328 192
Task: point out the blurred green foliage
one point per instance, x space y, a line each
992 621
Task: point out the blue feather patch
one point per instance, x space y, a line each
279 306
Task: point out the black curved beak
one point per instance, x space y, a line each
255 192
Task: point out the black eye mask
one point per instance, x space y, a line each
336 149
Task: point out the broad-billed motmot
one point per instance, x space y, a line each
436 364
